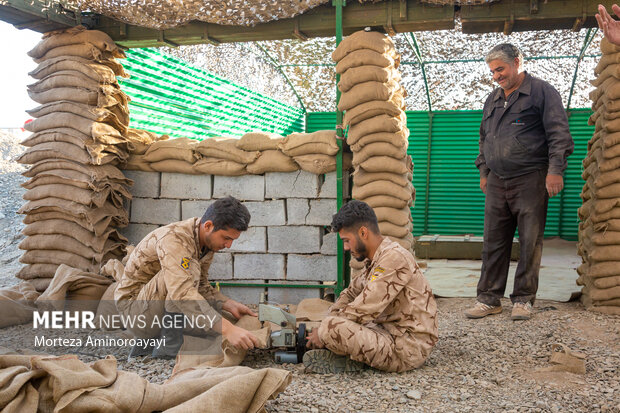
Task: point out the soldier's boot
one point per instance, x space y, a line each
138 351
326 362
173 339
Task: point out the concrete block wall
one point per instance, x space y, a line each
288 241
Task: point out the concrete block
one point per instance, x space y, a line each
267 213
297 209
311 267
291 295
329 189
221 267
252 240
194 208
294 239
330 244
244 188
155 211
145 184
184 186
244 295
321 211
260 266
298 184
136 232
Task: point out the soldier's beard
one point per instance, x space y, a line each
359 253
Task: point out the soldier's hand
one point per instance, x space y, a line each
239 337
608 25
555 183
237 309
314 341
483 185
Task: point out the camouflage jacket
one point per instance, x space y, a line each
174 250
391 293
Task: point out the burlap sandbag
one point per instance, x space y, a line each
61 243
607 282
609 225
378 201
367 110
604 253
611 151
225 148
66 78
368 92
599 269
396 231
174 166
40 284
604 205
604 165
398 217
381 123
259 141
319 142
98 227
217 166
119 216
98 72
272 161
362 74
600 294
76 35
611 71
606 60
607 47
83 50
17 304
144 136
362 39
382 188
387 164
137 163
378 149
398 139
88 127
365 57
32 271
107 308
104 96
604 309
63 150
601 218
78 179
72 193
362 177
58 257
407 242
96 172
109 239
76 137
103 115
321 164
183 149
95 150
609 191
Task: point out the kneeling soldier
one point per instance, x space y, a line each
386 318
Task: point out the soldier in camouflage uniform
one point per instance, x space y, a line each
386 319
167 273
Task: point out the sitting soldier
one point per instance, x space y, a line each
166 275
386 318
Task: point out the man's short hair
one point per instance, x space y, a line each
227 213
353 215
505 52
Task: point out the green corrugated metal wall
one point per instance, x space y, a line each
456 204
171 97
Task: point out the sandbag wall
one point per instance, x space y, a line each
254 153
373 102
76 194
599 231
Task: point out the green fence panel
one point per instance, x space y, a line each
455 204
171 97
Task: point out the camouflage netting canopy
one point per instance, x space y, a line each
164 14
460 2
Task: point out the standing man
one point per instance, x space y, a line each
166 278
387 318
524 144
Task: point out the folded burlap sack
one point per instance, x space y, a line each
272 161
259 141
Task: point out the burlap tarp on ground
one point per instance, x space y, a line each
66 384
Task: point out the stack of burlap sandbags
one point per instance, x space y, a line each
373 102
76 194
254 153
599 231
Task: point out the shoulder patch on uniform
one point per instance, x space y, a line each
380 269
185 263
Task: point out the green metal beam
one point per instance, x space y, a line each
279 68
413 43
586 43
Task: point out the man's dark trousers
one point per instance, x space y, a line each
519 202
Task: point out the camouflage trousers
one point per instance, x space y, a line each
371 345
